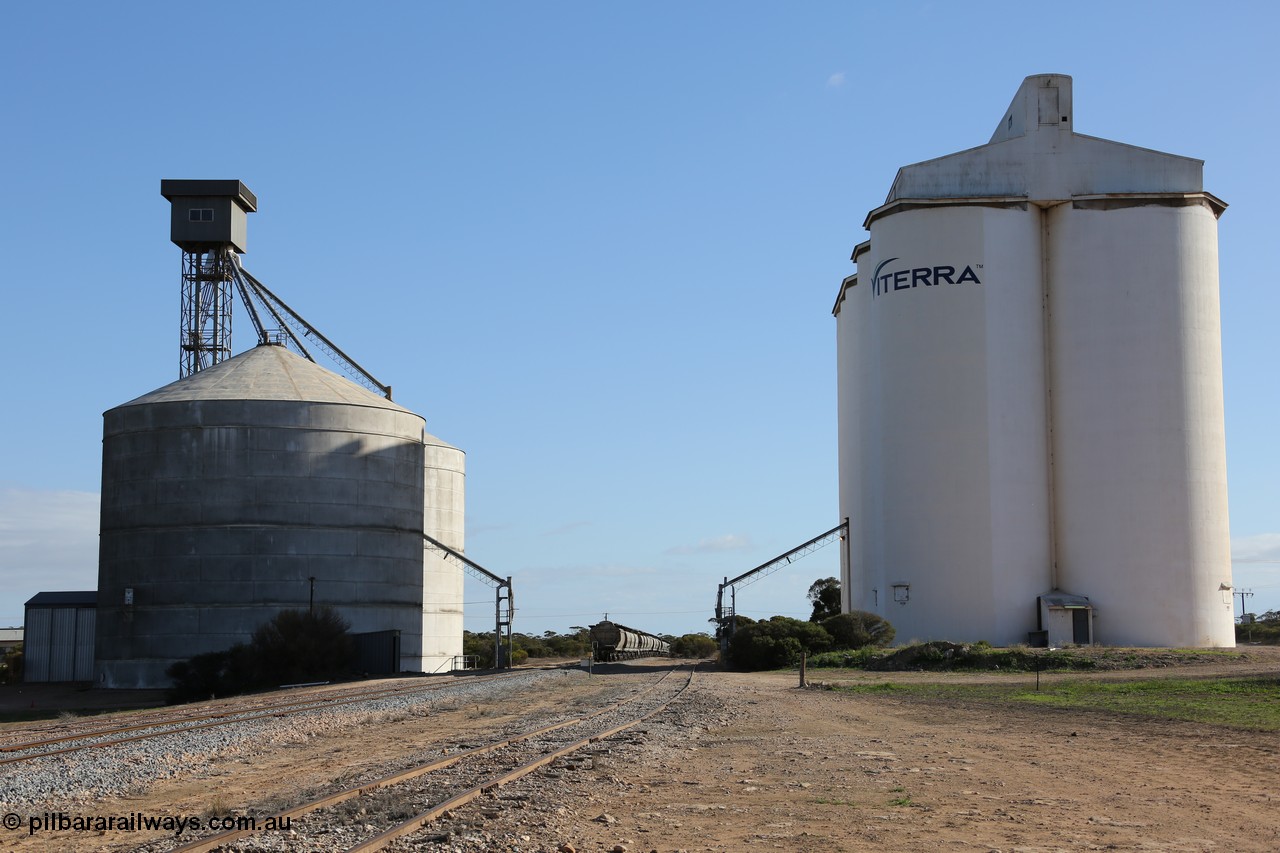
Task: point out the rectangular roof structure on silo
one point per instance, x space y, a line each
182 188
1035 155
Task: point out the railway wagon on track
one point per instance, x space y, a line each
611 641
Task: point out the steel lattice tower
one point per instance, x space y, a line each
206 310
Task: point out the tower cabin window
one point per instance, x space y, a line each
201 214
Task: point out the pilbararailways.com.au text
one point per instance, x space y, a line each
139 822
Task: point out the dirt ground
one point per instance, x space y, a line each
820 770
48 699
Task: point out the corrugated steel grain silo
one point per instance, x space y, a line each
1030 391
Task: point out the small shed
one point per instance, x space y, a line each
1065 619
59 636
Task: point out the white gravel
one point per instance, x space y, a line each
82 777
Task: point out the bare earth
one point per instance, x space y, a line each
759 764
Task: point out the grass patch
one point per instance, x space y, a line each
823 801
1251 704
938 656
1238 703
218 807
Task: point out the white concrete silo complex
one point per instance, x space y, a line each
1030 393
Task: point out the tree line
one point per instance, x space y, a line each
781 640
1259 629
576 643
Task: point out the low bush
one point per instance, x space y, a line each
11 666
694 646
296 646
775 643
858 629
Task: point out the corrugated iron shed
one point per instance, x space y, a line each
59 636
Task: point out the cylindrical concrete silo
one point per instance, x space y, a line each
1138 418
259 484
444 480
1030 393
942 374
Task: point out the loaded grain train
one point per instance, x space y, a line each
1031 419
611 641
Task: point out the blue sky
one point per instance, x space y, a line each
596 245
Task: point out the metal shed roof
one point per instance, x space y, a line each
171 189
81 598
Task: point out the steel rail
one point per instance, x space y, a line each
213 721
156 722
161 716
146 717
230 836
418 822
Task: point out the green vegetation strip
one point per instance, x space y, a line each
1240 703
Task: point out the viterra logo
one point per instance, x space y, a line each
905 279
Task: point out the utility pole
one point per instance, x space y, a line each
1245 593
1242 594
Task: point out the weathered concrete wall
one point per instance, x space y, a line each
225 493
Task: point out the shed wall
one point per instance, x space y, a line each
59 644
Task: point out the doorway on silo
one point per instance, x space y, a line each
1065 619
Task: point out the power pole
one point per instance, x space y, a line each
1245 593
1242 594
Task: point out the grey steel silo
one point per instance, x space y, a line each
248 488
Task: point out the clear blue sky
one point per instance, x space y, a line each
596 245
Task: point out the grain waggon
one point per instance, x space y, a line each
611 641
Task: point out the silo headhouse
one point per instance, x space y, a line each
1030 394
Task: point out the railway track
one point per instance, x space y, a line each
374 815
226 714
72 726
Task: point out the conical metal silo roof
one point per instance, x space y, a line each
267 372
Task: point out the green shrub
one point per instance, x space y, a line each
213 674
300 645
1265 629
858 629
776 643
296 646
11 666
845 658
694 646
